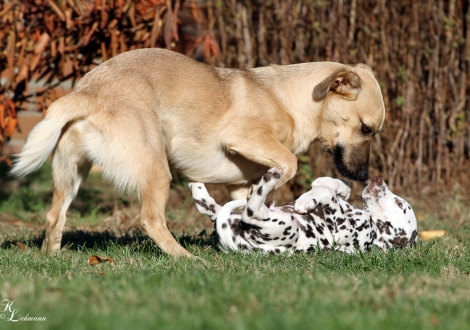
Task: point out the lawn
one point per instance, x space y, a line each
427 287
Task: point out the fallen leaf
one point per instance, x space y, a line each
420 216
434 320
110 260
96 260
430 234
20 245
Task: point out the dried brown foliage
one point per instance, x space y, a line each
419 51
57 40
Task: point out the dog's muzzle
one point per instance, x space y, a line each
355 165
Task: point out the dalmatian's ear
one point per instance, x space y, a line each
343 82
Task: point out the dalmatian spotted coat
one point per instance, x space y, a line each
319 219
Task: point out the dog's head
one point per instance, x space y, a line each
353 112
392 215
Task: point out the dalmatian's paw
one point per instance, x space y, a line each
256 208
270 179
341 187
305 203
310 200
267 183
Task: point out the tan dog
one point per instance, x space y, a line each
146 111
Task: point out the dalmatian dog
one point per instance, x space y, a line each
319 219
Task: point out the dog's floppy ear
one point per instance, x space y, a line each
363 66
343 81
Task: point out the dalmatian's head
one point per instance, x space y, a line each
393 215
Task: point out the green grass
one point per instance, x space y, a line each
422 288
415 288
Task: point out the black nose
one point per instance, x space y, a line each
363 175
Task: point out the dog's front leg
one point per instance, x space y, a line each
263 148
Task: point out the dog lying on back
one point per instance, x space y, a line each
319 219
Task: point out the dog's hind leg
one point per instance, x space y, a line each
70 167
135 162
154 196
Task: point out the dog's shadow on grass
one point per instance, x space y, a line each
77 240
34 192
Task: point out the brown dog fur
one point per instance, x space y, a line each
146 111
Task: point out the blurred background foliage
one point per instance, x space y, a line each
419 51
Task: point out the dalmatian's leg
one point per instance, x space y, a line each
204 202
256 212
277 228
269 200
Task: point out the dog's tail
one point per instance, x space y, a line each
43 138
222 227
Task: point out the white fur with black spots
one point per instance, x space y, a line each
319 219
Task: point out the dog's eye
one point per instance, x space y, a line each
366 130
400 204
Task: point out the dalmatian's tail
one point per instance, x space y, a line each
220 215
223 222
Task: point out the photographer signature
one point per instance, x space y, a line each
9 313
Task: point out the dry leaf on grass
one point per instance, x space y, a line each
96 260
430 234
8 244
420 216
19 244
